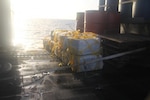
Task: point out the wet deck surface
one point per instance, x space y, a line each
35 75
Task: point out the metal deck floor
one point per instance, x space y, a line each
35 75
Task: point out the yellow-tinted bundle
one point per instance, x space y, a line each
75 49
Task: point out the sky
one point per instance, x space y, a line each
54 9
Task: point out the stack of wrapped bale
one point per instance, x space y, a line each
83 48
57 42
76 49
63 40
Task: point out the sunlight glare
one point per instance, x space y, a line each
52 9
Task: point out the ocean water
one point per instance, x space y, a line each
31 32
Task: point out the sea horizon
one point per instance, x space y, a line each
34 30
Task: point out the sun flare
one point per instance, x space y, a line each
51 9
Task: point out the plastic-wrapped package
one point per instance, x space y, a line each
46 43
76 49
65 57
84 46
78 63
63 40
56 49
54 34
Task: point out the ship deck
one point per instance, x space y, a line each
35 75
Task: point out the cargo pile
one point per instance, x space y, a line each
75 49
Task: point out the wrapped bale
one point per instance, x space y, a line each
58 52
46 43
55 33
56 49
84 46
63 39
78 63
52 47
56 44
65 57
76 49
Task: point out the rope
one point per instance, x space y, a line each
112 56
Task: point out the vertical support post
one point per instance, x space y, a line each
5 24
101 5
